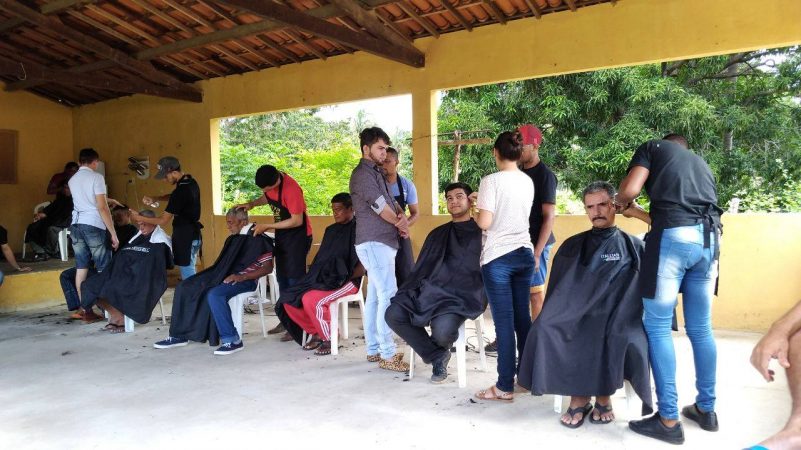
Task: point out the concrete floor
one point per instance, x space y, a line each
66 385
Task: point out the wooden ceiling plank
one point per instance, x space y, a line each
571 4
185 67
204 62
233 56
535 10
459 17
372 23
96 46
327 30
126 24
295 36
190 13
61 5
387 19
108 30
163 15
10 24
270 43
425 23
255 52
499 15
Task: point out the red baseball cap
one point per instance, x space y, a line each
531 134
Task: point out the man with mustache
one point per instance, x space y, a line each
589 337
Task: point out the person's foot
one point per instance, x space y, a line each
373 358
313 343
324 349
653 427
495 394
602 412
577 412
229 348
171 342
440 370
395 363
787 439
277 329
40 257
77 315
492 347
89 316
287 337
706 420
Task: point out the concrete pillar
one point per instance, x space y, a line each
424 149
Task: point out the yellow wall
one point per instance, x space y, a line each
628 33
45 145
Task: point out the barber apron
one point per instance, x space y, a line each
292 244
404 259
182 237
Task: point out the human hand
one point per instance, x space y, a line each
24 269
402 224
111 201
233 279
246 206
537 261
260 228
135 216
631 210
115 242
473 198
773 345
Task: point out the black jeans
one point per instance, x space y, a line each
444 332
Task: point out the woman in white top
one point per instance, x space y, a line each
507 257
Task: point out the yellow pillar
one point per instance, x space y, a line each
424 149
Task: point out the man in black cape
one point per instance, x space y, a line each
243 259
135 280
445 287
334 273
589 337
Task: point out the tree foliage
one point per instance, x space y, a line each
740 112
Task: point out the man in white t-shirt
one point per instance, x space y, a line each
91 223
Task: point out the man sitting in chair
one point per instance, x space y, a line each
334 273
243 260
589 337
142 263
445 287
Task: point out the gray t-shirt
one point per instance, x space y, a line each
370 195
85 185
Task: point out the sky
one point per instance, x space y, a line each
389 113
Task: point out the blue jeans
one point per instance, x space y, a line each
683 263
67 280
1 277
218 297
506 280
379 261
188 271
538 276
90 243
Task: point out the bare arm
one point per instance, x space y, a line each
414 214
548 217
105 215
635 211
776 343
253 203
358 271
255 275
631 186
295 220
161 220
9 254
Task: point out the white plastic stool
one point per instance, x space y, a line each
461 354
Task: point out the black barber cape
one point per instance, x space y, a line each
135 279
447 276
332 267
589 336
191 316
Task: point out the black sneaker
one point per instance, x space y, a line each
229 348
492 347
654 428
440 371
707 420
171 342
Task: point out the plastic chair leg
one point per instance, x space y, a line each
333 310
480 336
410 351
237 305
557 404
344 319
261 316
163 317
461 363
129 325
62 244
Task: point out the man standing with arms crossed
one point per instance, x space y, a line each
681 252
183 208
91 220
379 224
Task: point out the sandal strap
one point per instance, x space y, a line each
584 410
603 409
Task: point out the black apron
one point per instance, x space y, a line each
404 259
292 244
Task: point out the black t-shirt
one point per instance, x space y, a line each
680 184
124 234
184 202
544 192
3 236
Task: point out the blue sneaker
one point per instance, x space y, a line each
229 348
171 342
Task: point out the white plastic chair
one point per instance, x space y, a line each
631 401
333 311
130 324
461 353
36 209
237 304
62 243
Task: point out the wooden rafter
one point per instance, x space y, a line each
327 30
425 23
277 48
459 17
100 49
371 22
388 20
499 15
571 4
61 5
534 9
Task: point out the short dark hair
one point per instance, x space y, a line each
344 199
70 165
458 185
266 175
88 156
370 136
509 145
393 151
677 138
598 186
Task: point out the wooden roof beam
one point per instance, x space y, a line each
372 23
499 15
95 46
571 4
327 30
425 23
534 9
29 70
61 5
277 48
10 24
459 17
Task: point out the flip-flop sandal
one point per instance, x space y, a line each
109 327
602 409
313 344
584 410
117 329
324 349
495 395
